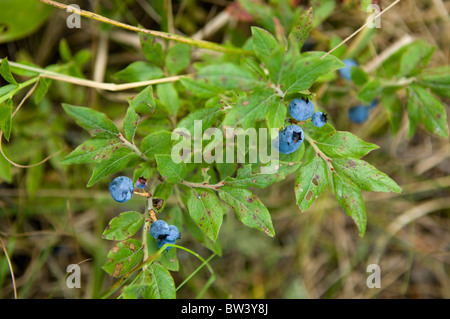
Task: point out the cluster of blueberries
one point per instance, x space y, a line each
290 139
122 189
360 113
164 233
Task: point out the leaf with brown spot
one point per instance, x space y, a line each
123 226
300 31
93 150
365 176
205 209
247 178
310 182
350 198
248 208
121 259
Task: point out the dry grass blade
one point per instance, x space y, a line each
10 268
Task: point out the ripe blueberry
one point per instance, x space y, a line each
358 114
346 71
158 228
319 119
121 189
301 109
141 182
164 234
289 139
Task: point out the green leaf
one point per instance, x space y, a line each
139 71
41 89
124 257
178 58
307 70
168 258
200 236
252 108
365 176
408 60
393 107
310 182
438 79
358 75
96 123
93 150
300 31
350 198
144 98
161 283
228 76
248 208
163 190
344 145
157 143
264 43
200 88
5 72
206 211
131 120
21 18
123 226
246 178
322 10
415 58
263 14
152 49
118 161
5 118
208 116
370 91
276 115
145 169
5 90
168 96
426 109
173 172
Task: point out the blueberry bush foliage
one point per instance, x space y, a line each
232 87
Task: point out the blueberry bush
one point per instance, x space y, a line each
271 80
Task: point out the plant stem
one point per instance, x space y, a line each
169 36
320 153
19 87
132 147
85 82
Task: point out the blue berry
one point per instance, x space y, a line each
319 119
346 71
301 109
373 104
121 189
141 182
173 233
289 139
358 114
164 234
158 228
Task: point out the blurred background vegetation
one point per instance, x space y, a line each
49 219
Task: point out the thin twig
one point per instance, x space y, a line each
169 36
320 153
360 29
204 185
10 268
